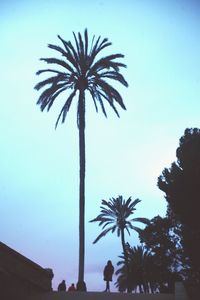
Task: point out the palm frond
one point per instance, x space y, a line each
105 219
80 51
93 93
112 93
59 62
127 229
81 46
46 95
99 99
115 76
77 47
98 47
101 219
106 224
86 42
71 53
128 201
105 203
53 97
64 53
102 107
51 80
65 108
57 48
103 233
134 203
105 62
111 104
93 49
137 229
141 220
49 70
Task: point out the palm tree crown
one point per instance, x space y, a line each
115 215
81 71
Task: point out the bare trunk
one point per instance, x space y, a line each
81 112
126 260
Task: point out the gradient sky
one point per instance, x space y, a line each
39 166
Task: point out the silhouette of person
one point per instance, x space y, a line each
62 286
107 273
72 288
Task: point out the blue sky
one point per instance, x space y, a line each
39 166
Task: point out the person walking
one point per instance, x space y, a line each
108 273
62 286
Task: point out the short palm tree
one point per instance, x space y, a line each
141 264
116 216
79 70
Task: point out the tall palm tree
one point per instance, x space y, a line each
116 216
79 70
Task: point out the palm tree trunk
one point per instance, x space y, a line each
81 286
126 260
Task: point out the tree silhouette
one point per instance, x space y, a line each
79 71
141 268
163 240
181 185
115 216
